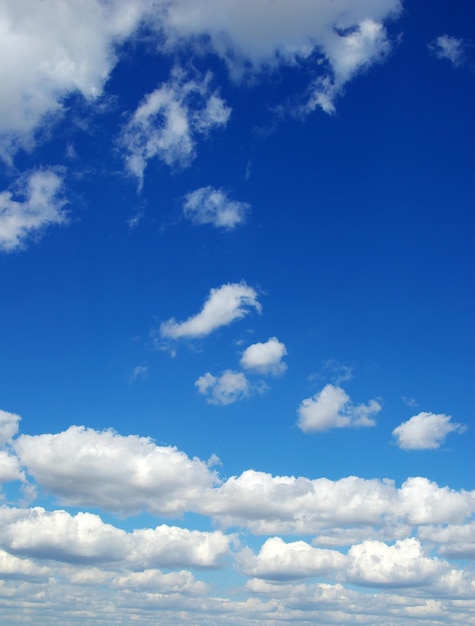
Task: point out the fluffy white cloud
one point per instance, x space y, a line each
166 123
225 389
154 581
213 206
40 207
425 431
332 408
51 49
224 305
85 539
451 48
403 564
11 567
265 358
121 474
8 426
455 540
278 560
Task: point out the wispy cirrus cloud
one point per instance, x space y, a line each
224 305
213 206
450 48
168 121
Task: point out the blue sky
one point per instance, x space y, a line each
236 321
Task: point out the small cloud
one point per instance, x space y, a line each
335 371
409 401
41 206
167 122
141 371
213 206
265 358
225 389
332 408
224 305
425 431
451 48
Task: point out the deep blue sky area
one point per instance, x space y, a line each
242 230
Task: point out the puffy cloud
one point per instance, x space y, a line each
400 565
265 358
8 426
425 431
278 560
11 567
121 474
332 408
51 49
212 206
224 305
447 47
168 120
455 540
154 581
85 539
225 389
9 468
41 206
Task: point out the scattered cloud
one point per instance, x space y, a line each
212 206
225 304
265 358
41 206
169 119
225 389
332 408
50 50
425 431
8 426
140 371
450 48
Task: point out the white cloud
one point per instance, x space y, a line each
225 389
454 540
8 426
425 431
278 560
265 358
332 408
447 47
120 474
212 206
224 305
154 581
169 119
140 371
42 206
85 538
51 49
11 567
400 565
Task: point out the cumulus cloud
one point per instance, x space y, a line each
456 541
85 538
40 206
213 206
224 305
52 49
121 474
332 408
169 119
8 426
225 389
265 358
403 564
278 560
447 47
425 431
